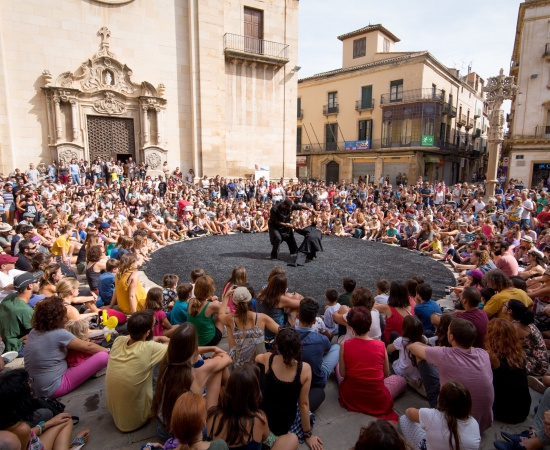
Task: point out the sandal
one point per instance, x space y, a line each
80 440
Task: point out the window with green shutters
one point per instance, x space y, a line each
366 97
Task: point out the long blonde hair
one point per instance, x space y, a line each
79 328
65 287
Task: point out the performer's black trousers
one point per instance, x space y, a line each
277 237
300 259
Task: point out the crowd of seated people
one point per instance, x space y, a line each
162 354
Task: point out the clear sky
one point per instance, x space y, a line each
476 32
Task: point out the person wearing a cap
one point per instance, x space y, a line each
15 312
6 236
245 328
525 245
7 273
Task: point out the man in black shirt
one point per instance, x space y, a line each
27 249
280 228
310 245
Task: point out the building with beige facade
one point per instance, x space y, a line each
526 149
387 112
208 85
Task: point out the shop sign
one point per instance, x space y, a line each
301 161
357 145
505 161
542 166
427 141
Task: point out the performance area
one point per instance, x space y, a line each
366 262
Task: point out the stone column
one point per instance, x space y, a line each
58 124
74 117
145 125
498 89
160 126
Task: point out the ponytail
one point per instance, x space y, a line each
194 306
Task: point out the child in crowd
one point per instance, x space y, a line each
169 283
425 307
195 275
80 330
405 366
153 302
331 296
338 228
382 291
435 246
106 283
178 315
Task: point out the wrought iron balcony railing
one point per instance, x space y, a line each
363 104
330 109
413 95
253 48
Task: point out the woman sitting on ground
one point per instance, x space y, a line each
535 265
531 338
238 277
508 363
397 308
92 239
67 289
52 275
245 328
286 387
361 296
129 292
425 235
46 352
362 370
275 302
182 370
188 418
449 427
202 312
97 259
238 419
18 407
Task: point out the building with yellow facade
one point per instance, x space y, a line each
387 112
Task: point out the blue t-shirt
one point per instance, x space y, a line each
314 346
106 287
424 311
179 312
350 207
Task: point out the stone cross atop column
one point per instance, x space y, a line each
498 89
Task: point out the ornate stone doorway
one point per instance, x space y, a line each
110 136
98 110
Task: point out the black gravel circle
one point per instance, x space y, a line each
367 262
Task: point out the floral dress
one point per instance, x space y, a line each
535 352
248 344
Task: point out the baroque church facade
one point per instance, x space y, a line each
208 85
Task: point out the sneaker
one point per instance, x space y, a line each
536 384
8 357
509 437
508 446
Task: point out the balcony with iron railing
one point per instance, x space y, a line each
546 54
461 119
364 104
469 123
477 113
540 132
300 114
330 109
375 144
254 49
514 66
413 95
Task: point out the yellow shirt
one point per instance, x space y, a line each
123 299
436 245
494 305
129 381
60 243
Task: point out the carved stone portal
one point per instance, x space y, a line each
103 86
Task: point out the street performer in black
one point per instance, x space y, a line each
280 228
310 245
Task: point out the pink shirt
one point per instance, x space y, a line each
473 369
158 328
508 264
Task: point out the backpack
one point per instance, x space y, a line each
411 243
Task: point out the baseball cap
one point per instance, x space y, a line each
4 227
29 215
241 295
105 225
26 279
476 273
7 259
